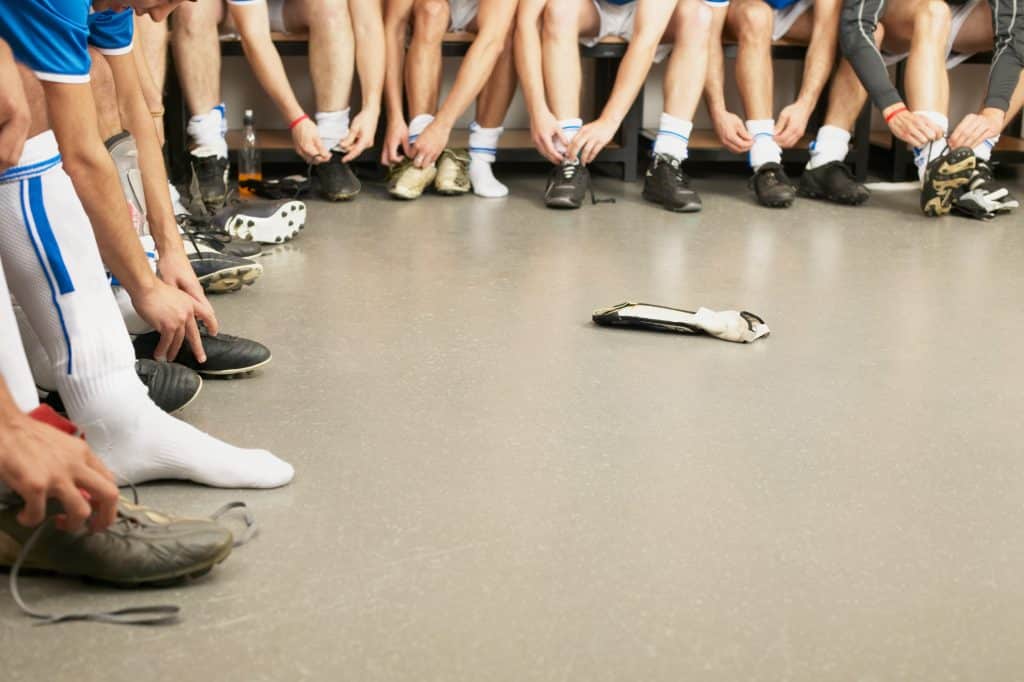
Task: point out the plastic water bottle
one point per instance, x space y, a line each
249 156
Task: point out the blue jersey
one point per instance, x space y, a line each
781 4
52 37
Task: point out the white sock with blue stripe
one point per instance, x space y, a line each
831 144
570 127
933 150
483 152
333 127
417 125
207 133
673 137
984 150
765 149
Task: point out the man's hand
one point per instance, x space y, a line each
40 462
591 139
360 134
394 142
307 142
548 137
430 144
732 131
792 124
15 118
173 314
914 129
176 270
976 128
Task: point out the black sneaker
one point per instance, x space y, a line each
834 182
171 386
210 176
265 222
945 179
337 181
773 187
667 184
984 179
567 185
226 355
200 230
220 273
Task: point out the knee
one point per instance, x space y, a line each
561 19
329 15
693 21
754 20
430 19
101 80
933 18
190 21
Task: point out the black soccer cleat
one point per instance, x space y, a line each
171 386
665 183
226 356
210 175
945 179
772 186
833 182
220 273
200 232
567 185
337 181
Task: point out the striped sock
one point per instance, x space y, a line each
483 152
570 127
765 148
984 149
417 125
673 137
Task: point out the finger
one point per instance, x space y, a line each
195 340
355 147
176 341
34 511
103 498
781 124
97 465
408 148
204 311
76 509
160 352
743 134
575 146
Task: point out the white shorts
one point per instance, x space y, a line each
786 17
463 12
618 21
953 59
275 10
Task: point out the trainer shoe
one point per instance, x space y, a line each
834 182
210 175
220 273
171 386
945 179
266 222
202 235
453 173
667 184
567 185
984 179
773 187
226 355
406 181
337 181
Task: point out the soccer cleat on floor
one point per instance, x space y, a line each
945 179
171 386
567 185
453 173
210 177
337 181
984 198
265 222
772 186
226 356
220 273
406 181
833 182
142 547
199 232
665 183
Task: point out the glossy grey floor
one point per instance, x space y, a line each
491 488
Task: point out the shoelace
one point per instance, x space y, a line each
571 170
159 614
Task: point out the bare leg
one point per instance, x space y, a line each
423 59
750 22
196 47
927 82
494 100
688 64
847 97
331 48
563 23
976 33
152 38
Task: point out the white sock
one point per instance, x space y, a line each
53 268
984 149
483 151
333 127
831 144
14 367
765 149
207 133
673 137
570 127
176 205
928 153
418 124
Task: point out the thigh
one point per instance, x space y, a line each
734 18
802 29
898 21
975 35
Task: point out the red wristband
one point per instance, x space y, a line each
300 119
895 112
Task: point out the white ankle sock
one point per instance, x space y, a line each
333 127
984 150
483 151
570 127
673 137
207 132
418 124
925 155
831 144
765 149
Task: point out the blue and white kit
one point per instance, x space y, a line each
618 20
